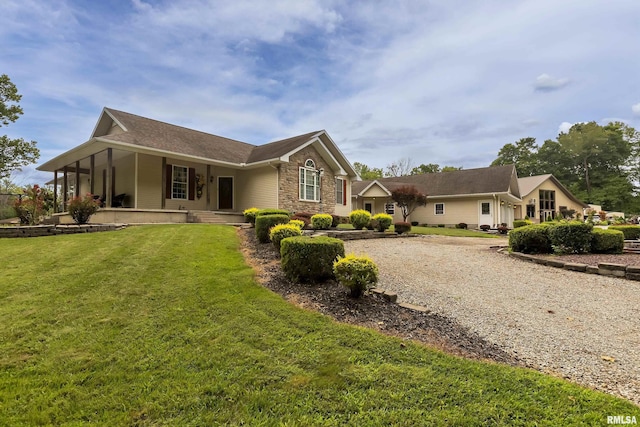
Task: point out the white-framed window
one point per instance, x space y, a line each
486 208
309 182
340 199
390 208
180 182
439 208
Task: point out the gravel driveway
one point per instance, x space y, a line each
579 326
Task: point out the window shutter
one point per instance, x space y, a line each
168 186
344 191
192 183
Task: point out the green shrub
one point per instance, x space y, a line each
81 208
304 217
607 241
270 211
485 227
321 221
298 223
415 223
462 226
521 223
356 273
631 232
531 239
250 215
359 218
571 237
402 227
383 221
282 231
310 259
264 224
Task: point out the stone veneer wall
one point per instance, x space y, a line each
52 230
289 186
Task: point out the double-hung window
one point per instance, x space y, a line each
439 207
390 208
340 187
180 182
309 182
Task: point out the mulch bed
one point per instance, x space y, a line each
371 310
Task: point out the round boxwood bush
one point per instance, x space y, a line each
321 221
359 218
571 238
270 211
250 215
264 224
282 231
310 259
631 232
358 273
383 220
607 241
402 227
531 239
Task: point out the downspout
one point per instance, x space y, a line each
496 207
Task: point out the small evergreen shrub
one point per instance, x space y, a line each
607 241
250 215
373 224
631 232
321 221
270 211
531 239
402 227
415 223
462 226
485 227
359 218
521 223
264 224
82 208
282 231
503 229
383 221
356 273
298 223
571 238
310 259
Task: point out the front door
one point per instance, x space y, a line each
485 213
225 192
368 207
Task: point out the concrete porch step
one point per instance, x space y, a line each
212 217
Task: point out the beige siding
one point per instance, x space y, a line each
344 210
150 190
455 212
561 200
259 188
197 204
125 180
375 191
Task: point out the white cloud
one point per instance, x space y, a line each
564 127
636 109
547 83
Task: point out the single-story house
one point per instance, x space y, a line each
483 196
144 170
543 197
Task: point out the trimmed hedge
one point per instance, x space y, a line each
359 218
521 223
607 241
298 223
531 239
250 215
282 231
310 259
264 224
571 238
356 273
321 221
631 232
383 221
402 227
262 212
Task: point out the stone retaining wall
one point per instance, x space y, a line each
629 272
52 230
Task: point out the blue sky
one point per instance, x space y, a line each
437 82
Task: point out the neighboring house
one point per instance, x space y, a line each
144 170
483 196
543 196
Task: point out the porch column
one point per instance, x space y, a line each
65 183
77 189
55 191
164 183
109 195
208 187
92 165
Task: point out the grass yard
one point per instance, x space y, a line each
165 325
452 232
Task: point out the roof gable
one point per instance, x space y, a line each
531 183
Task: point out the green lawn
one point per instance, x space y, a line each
165 325
440 231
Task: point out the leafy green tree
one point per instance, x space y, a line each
522 154
14 153
451 168
367 173
429 168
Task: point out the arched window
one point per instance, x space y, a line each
309 182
